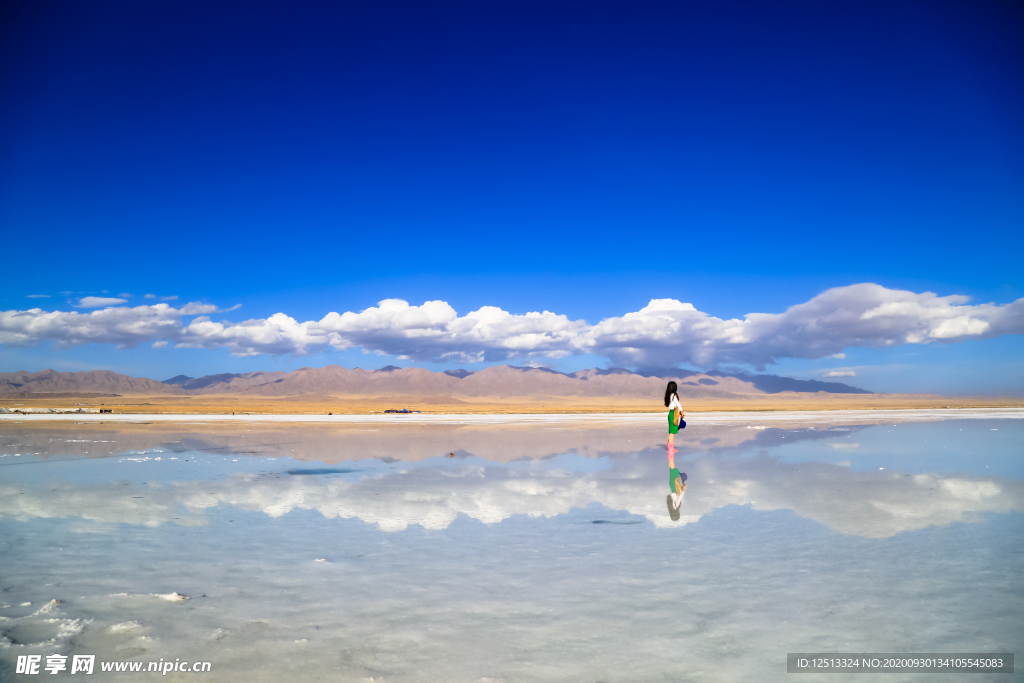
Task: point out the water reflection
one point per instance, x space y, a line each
676 485
519 552
152 491
333 444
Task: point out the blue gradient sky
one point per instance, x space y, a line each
579 158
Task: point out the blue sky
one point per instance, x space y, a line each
583 159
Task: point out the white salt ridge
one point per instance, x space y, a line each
49 607
170 597
68 628
40 630
125 626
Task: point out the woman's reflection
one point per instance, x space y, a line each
676 485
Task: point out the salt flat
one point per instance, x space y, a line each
708 418
510 548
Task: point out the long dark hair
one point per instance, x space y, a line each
673 513
670 392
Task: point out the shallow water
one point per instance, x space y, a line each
539 552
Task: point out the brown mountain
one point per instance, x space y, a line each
502 381
94 381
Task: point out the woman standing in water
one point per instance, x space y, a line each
675 415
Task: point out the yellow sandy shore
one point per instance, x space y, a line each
349 405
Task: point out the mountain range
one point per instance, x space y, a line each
499 381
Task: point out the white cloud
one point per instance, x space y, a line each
435 331
149 296
122 326
840 356
125 296
667 332
840 373
160 345
664 333
169 298
195 308
98 301
38 296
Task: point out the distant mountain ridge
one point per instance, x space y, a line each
94 381
192 384
500 382
774 384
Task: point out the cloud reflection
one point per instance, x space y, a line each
873 504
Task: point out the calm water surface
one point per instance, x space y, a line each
505 553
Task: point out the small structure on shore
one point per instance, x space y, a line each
48 411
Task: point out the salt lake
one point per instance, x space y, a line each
510 549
